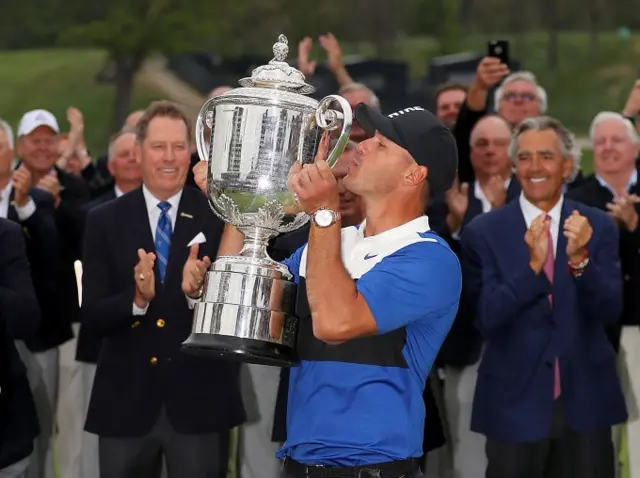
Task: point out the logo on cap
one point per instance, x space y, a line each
41 117
406 110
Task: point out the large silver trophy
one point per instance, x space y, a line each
251 136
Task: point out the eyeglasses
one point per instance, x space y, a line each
524 97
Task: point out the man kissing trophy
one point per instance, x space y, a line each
250 137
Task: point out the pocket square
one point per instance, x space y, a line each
199 239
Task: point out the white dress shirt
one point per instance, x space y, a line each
24 212
117 191
530 212
154 216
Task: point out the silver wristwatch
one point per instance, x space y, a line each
325 217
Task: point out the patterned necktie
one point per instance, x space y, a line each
163 238
548 270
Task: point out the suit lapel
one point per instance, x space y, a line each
515 227
475 205
186 228
12 214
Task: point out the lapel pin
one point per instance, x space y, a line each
184 214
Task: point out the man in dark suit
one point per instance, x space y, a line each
494 186
150 400
80 447
19 319
544 275
614 188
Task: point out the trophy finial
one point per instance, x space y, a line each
281 48
278 73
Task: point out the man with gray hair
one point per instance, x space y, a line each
32 209
518 97
544 272
78 450
614 188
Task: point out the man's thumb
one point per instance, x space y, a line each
193 252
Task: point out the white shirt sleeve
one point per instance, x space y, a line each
191 303
138 311
26 211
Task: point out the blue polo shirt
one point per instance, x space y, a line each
361 402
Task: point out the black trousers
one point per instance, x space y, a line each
193 456
564 454
417 474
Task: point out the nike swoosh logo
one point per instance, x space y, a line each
369 256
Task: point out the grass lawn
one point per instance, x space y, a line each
56 79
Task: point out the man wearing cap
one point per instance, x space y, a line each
37 147
375 302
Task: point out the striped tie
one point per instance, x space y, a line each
163 238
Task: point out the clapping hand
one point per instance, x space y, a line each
495 192
578 232
623 210
51 185
457 198
193 272
144 277
537 240
21 185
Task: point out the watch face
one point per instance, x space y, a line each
323 218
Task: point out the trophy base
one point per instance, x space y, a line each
245 314
236 349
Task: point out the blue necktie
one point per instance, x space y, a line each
163 238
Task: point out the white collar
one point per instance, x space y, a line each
419 224
530 212
152 201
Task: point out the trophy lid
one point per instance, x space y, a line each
278 73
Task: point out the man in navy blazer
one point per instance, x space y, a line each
543 273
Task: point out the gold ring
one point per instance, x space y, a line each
141 276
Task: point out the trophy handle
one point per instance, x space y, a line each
330 120
204 116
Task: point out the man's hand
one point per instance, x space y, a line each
200 175
495 192
537 240
457 198
21 185
490 71
51 185
193 272
578 232
623 210
144 277
632 108
307 67
314 185
334 53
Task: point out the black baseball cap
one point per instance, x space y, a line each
419 132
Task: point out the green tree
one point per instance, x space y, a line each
131 30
